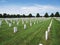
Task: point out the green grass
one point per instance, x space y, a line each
54 35
32 35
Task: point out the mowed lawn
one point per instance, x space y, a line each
32 35
54 35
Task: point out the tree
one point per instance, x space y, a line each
30 15
0 15
52 15
23 15
8 16
4 15
18 15
46 15
57 14
38 15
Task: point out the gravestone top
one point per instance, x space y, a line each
40 44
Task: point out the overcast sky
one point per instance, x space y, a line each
29 6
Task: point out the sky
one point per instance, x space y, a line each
29 6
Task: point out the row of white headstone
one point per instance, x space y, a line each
45 36
46 33
15 28
6 21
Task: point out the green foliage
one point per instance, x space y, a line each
23 15
38 15
30 15
5 15
46 15
57 14
0 15
52 15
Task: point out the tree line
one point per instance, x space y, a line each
5 15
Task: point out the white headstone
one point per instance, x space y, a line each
34 22
22 22
49 29
13 22
15 29
9 24
50 25
6 21
30 24
40 44
17 23
24 26
46 35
